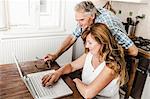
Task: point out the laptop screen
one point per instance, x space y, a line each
35 87
21 73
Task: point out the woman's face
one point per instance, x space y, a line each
92 44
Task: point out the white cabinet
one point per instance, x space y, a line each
130 1
146 90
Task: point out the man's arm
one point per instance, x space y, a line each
117 29
66 44
125 41
133 50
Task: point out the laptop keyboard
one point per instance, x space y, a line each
57 90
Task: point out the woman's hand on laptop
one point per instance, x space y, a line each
50 79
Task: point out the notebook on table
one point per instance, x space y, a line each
34 84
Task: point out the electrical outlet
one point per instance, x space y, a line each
143 16
119 12
130 13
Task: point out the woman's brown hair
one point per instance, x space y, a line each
111 51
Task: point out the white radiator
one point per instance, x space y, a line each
27 49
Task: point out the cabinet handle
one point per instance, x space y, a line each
141 71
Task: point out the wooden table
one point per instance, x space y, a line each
12 87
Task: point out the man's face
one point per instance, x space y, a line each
83 19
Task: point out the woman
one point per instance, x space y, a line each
103 65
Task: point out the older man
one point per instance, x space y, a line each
86 14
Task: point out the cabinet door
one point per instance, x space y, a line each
145 93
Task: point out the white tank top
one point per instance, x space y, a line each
89 74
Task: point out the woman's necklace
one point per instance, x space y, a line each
96 61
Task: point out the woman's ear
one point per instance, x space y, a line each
93 16
101 46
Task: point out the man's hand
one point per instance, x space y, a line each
50 79
50 57
133 50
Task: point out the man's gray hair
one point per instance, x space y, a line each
87 7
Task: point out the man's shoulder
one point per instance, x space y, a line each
104 15
102 10
77 31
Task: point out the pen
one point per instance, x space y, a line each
47 62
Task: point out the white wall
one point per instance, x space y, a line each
137 9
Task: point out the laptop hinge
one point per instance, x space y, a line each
30 86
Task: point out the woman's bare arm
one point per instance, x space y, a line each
91 90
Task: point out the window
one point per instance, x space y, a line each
20 13
3 16
52 15
18 17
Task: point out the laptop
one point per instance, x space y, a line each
34 84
